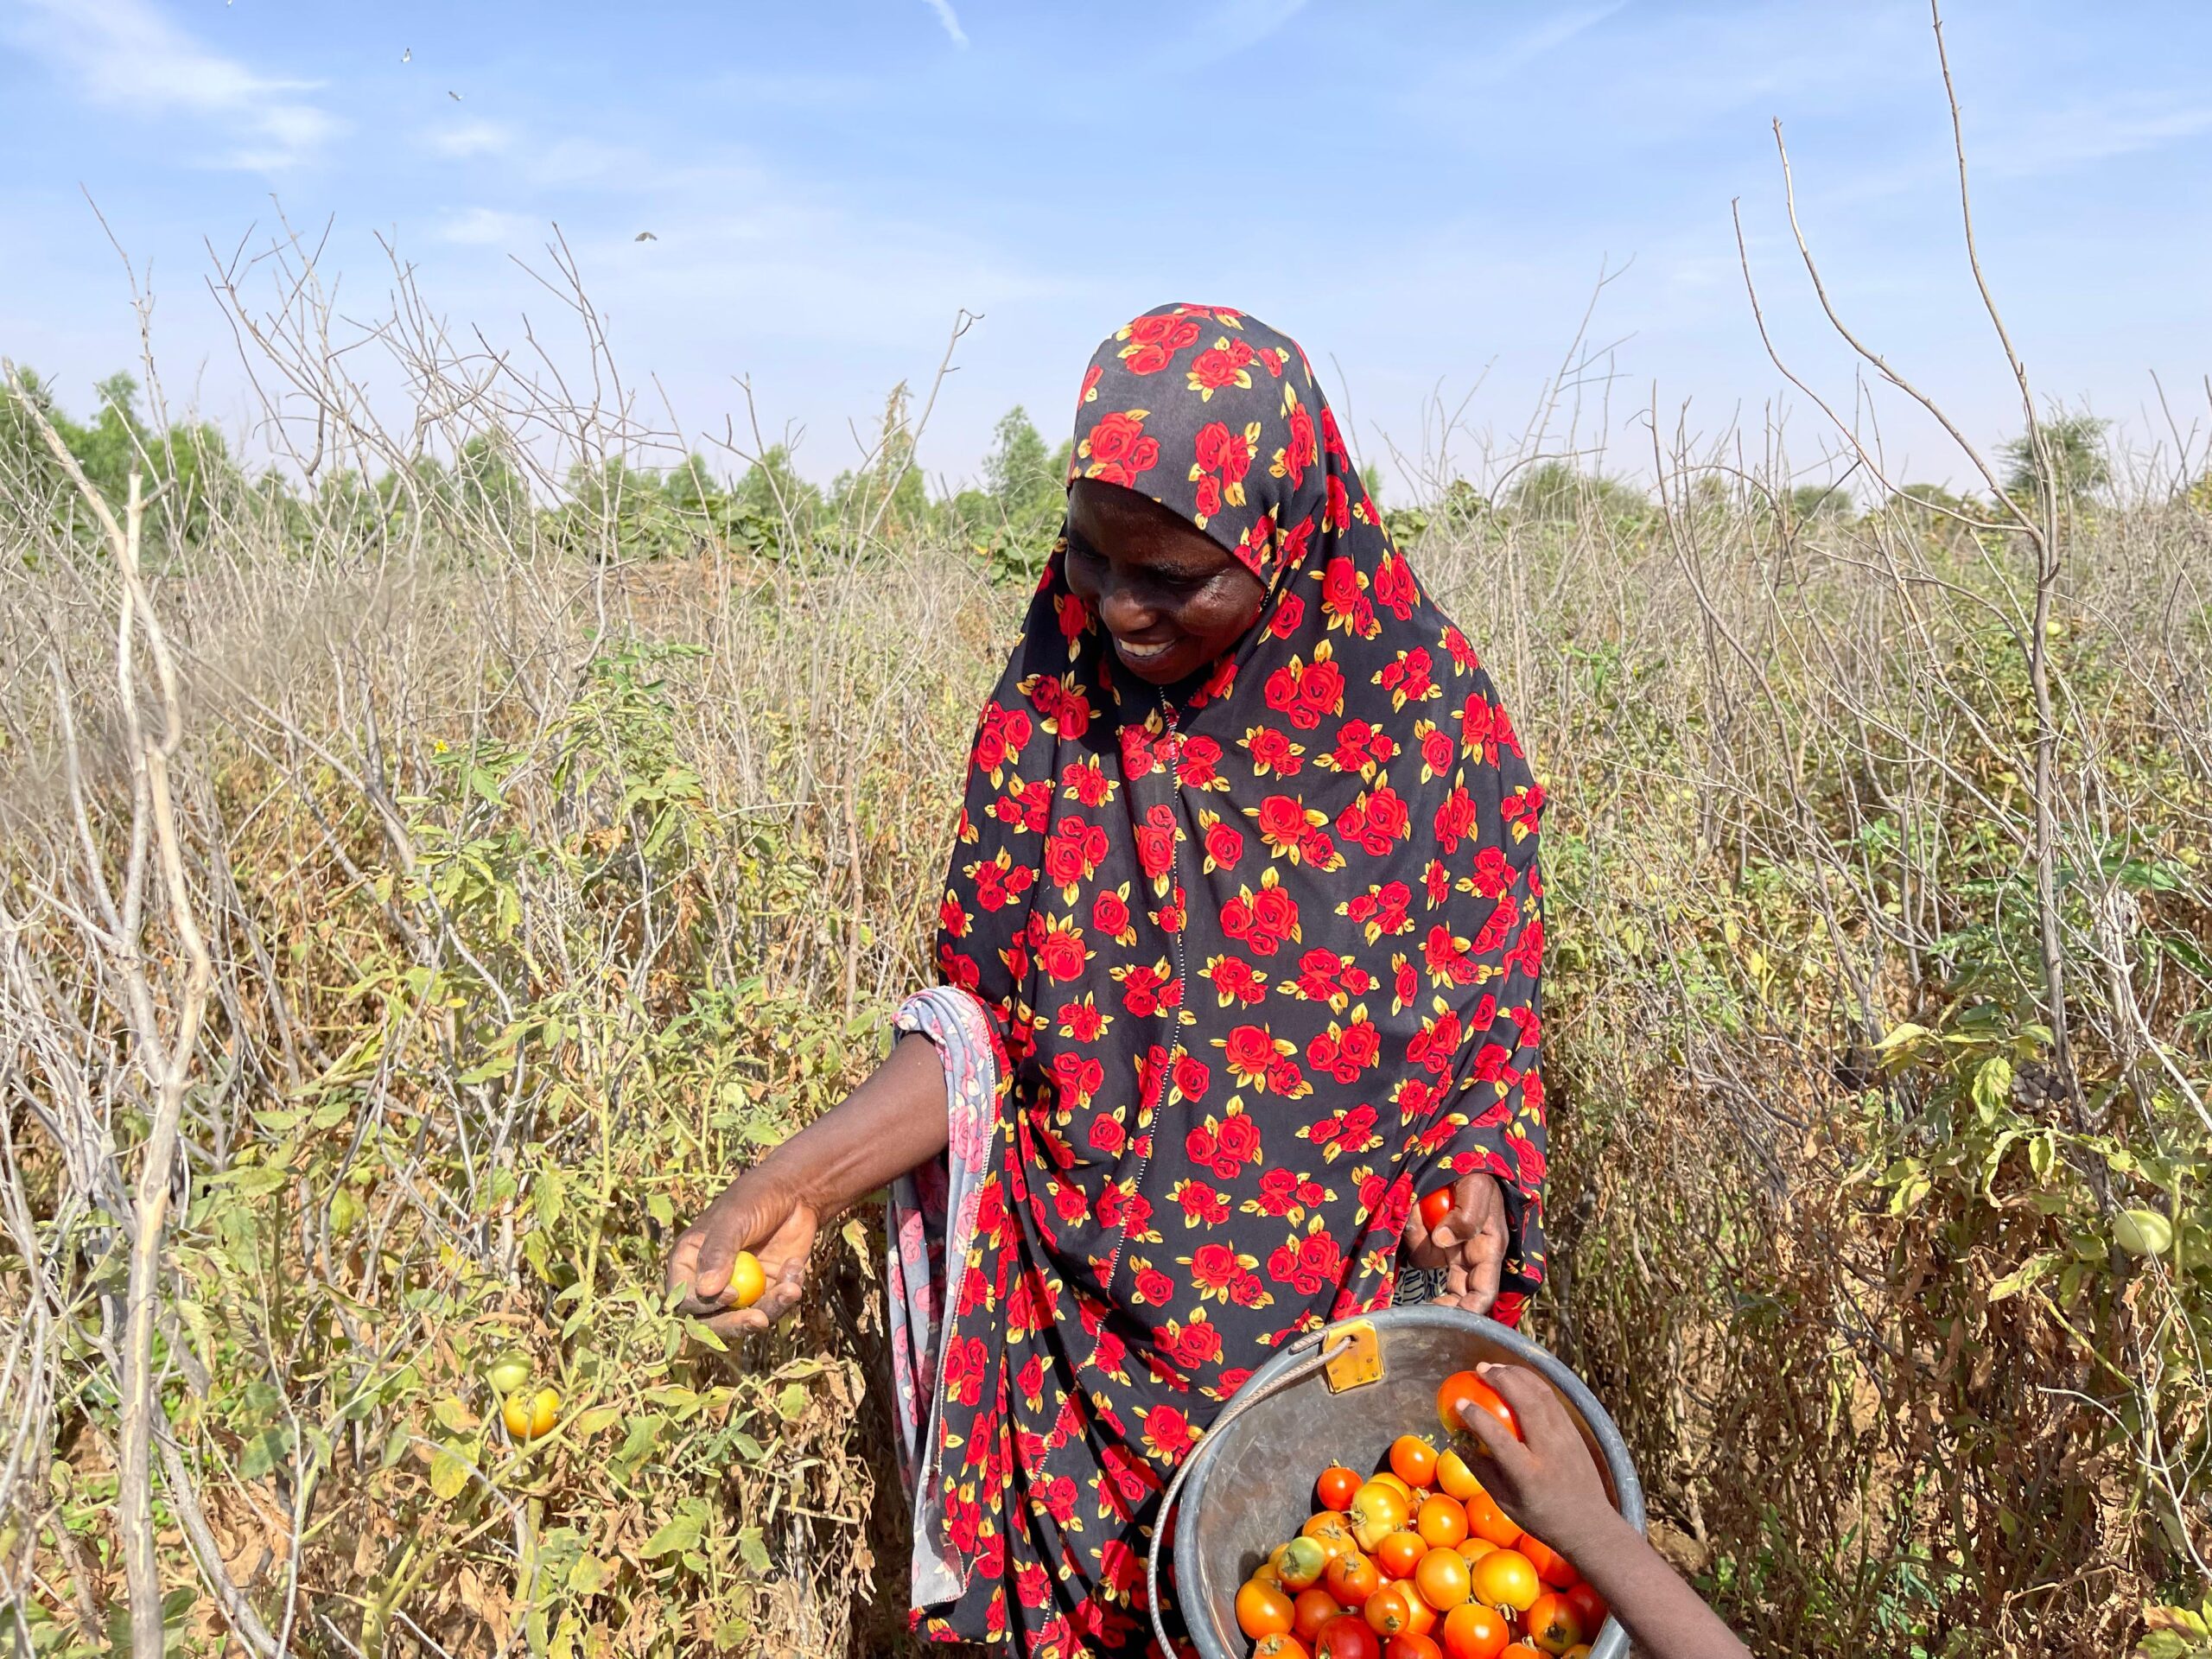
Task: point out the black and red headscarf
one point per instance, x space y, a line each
1262 952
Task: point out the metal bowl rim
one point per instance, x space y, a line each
1613 1640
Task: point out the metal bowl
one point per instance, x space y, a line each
1252 1488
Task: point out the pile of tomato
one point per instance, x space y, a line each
1417 1562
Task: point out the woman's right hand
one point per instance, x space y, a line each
758 1211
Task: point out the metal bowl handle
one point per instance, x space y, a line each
1236 1408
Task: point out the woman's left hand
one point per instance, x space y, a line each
1469 1243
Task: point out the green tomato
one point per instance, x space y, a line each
508 1373
2143 1232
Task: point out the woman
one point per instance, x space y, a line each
1240 946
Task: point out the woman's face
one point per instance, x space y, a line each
1173 599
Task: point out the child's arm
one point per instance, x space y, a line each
1546 1482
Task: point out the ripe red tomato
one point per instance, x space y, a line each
1414 1461
1463 1391
1589 1606
1399 1553
1552 1623
1389 1610
1351 1578
1472 1630
1313 1609
1407 1645
1346 1637
1435 1206
1336 1487
1553 1568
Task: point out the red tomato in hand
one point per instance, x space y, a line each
1463 1391
1435 1206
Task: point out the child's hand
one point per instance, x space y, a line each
1545 1480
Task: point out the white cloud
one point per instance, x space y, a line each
126 55
468 138
2076 135
485 227
950 19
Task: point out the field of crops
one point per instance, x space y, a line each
426 872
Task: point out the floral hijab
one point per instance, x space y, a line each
1262 952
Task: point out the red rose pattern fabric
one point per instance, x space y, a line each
1263 952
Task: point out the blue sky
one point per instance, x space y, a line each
1424 191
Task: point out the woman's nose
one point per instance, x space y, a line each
1124 608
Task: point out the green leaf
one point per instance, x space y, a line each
453 1415
751 1551
450 1473
588 1575
1992 1087
791 1404
680 1532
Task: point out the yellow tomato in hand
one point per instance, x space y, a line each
748 1282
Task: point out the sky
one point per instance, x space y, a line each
1425 193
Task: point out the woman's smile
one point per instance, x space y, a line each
1171 598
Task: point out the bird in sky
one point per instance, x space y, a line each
645 235
453 95
407 56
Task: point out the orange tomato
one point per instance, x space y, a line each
1279 1647
1552 1623
1434 1206
1389 1610
1424 1616
1519 1651
1335 1488
1332 1531
1453 1475
1398 1554
1351 1578
514 1412
1407 1645
1474 1631
748 1281
1474 1549
1414 1461
1377 1512
1442 1521
1299 1563
1346 1637
1551 1568
1263 1609
1313 1609
1444 1579
1265 1573
1505 1578
1463 1391
1589 1607
1486 1519
1396 1482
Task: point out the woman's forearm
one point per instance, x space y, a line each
893 1122
1664 1615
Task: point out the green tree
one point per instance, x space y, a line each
1554 491
2062 464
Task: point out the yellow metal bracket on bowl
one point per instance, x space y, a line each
1357 1365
